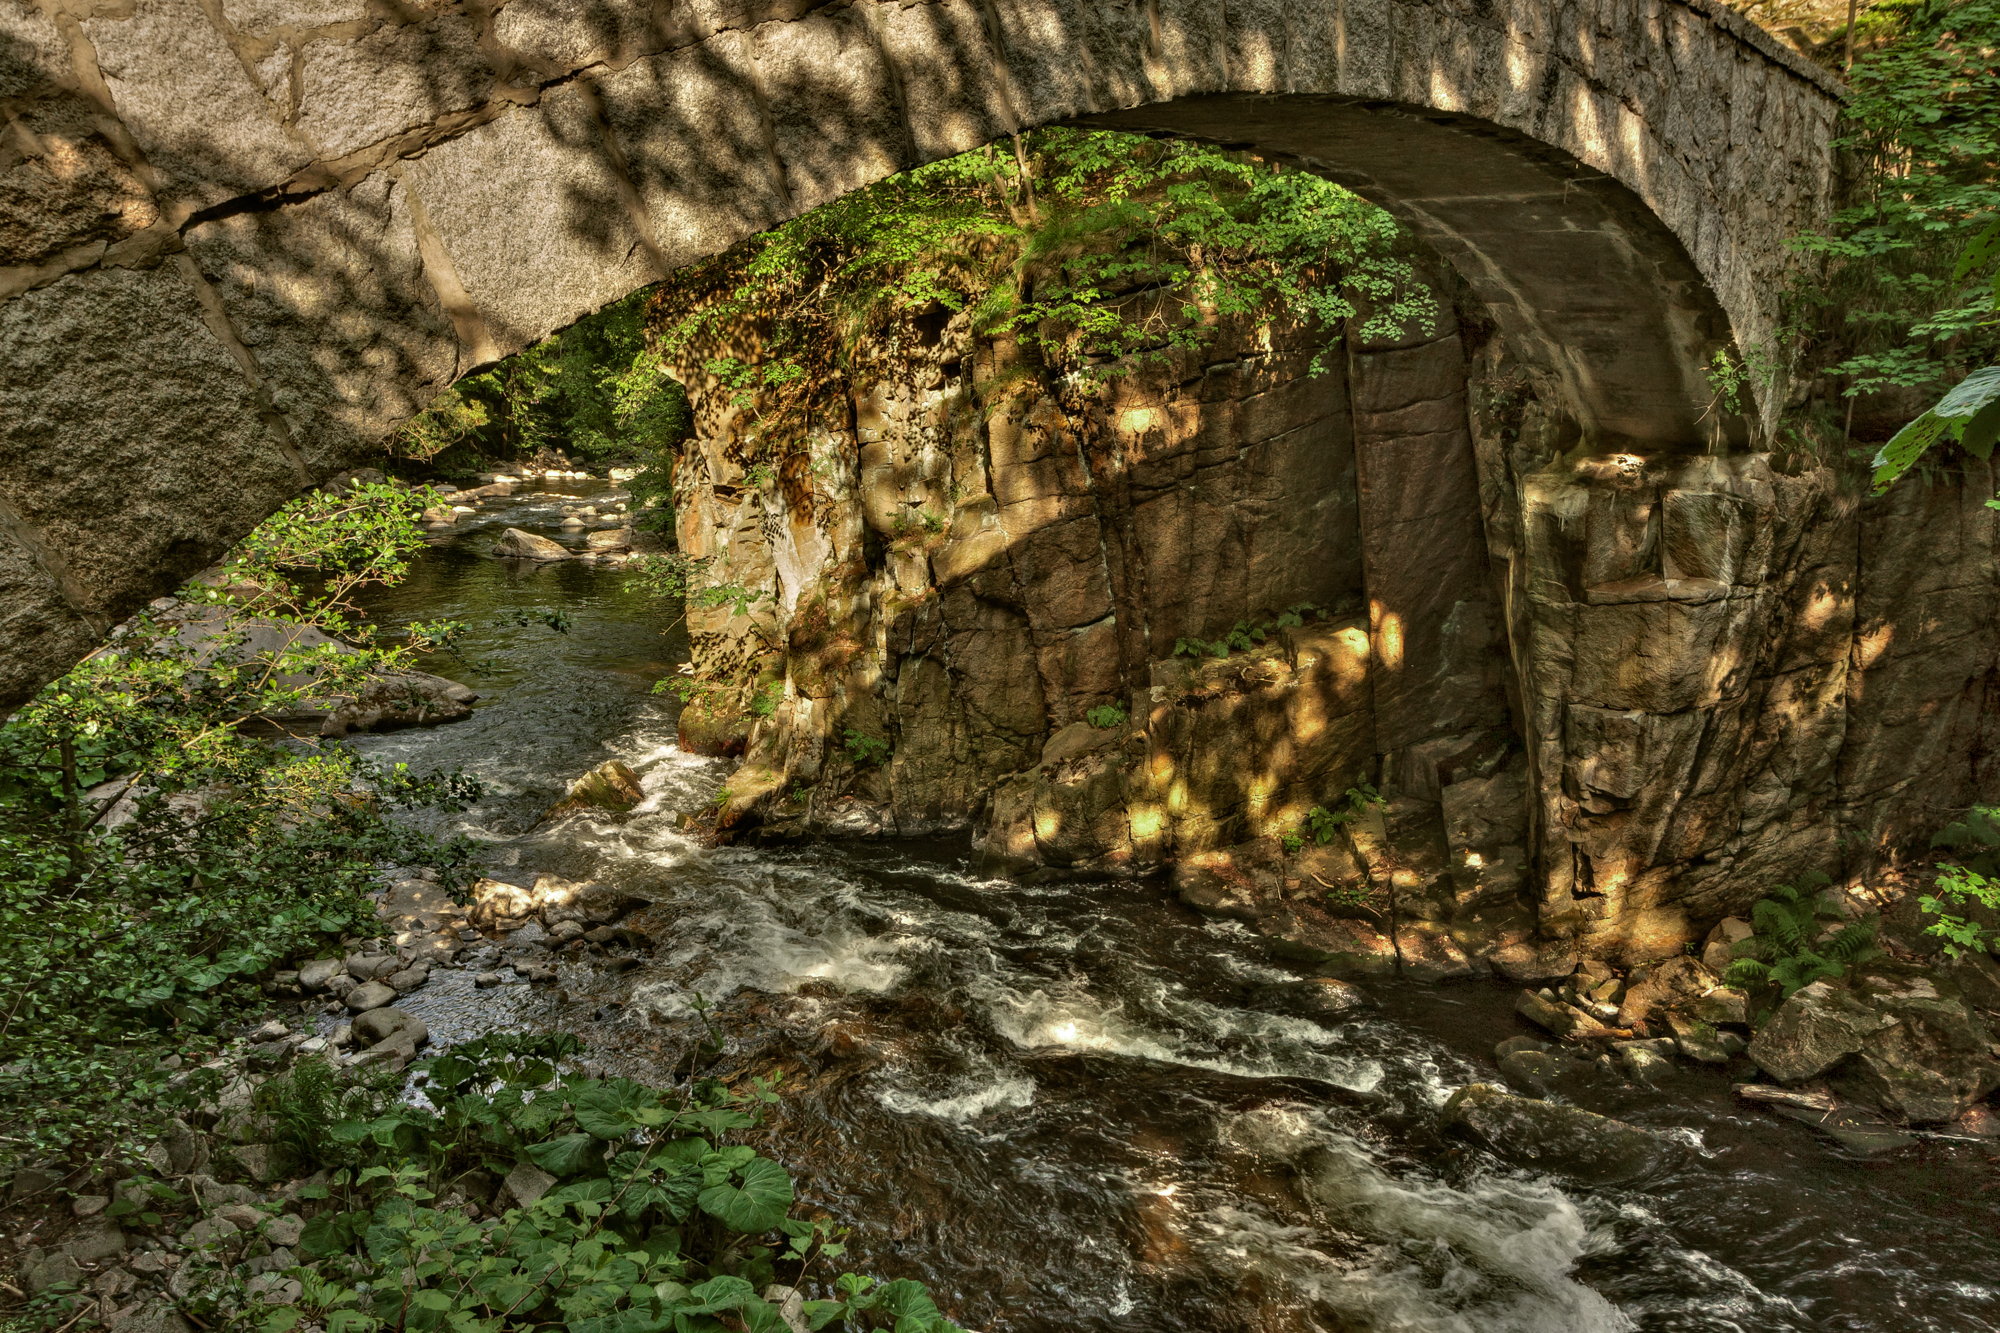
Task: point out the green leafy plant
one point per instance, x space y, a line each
766 700
1357 801
1245 635
159 854
1976 839
864 750
1957 888
1786 952
1106 716
654 1220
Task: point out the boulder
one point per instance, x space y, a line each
399 699
1936 1062
515 544
209 1231
1663 986
1319 998
1813 1031
1566 1021
1532 962
1697 1040
1531 1072
94 1242
612 785
379 1025
1551 1137
370 966
259 1161
1721 1005
1643 1064
369 995
1977 979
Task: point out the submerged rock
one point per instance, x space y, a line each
1319 998
1551 1137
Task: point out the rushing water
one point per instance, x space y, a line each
1062 1107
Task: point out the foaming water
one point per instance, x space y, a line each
1065 1106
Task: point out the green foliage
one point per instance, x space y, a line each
1245 635
1976 838
864 750
1358 800
766 700
593 390
1785 952
657 1222
156 858
1098 251
1106 716
1902 299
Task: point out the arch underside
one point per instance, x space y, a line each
1593 294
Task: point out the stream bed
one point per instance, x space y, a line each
1059 1106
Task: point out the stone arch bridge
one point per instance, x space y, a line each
242 239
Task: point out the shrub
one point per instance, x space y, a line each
1106 716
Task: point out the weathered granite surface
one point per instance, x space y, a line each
269 229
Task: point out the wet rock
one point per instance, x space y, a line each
1532 1072
561 901
1566 1021
1643 1064
600 935
515 544
1551 1137
486 980
1318 998
565 931
1697 1040
612 785
1813 1031
535 972
369 995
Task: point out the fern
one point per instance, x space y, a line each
1980 831
1782 953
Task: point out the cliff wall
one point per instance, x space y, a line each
1607 700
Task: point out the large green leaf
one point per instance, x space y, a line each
331 1233
613 1109
565 1156
1969 413
1971 394
758 1204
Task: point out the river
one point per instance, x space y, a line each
1058 1105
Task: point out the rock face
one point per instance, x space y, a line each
1813 1031
1608 699
436 190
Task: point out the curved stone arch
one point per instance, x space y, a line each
280 225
